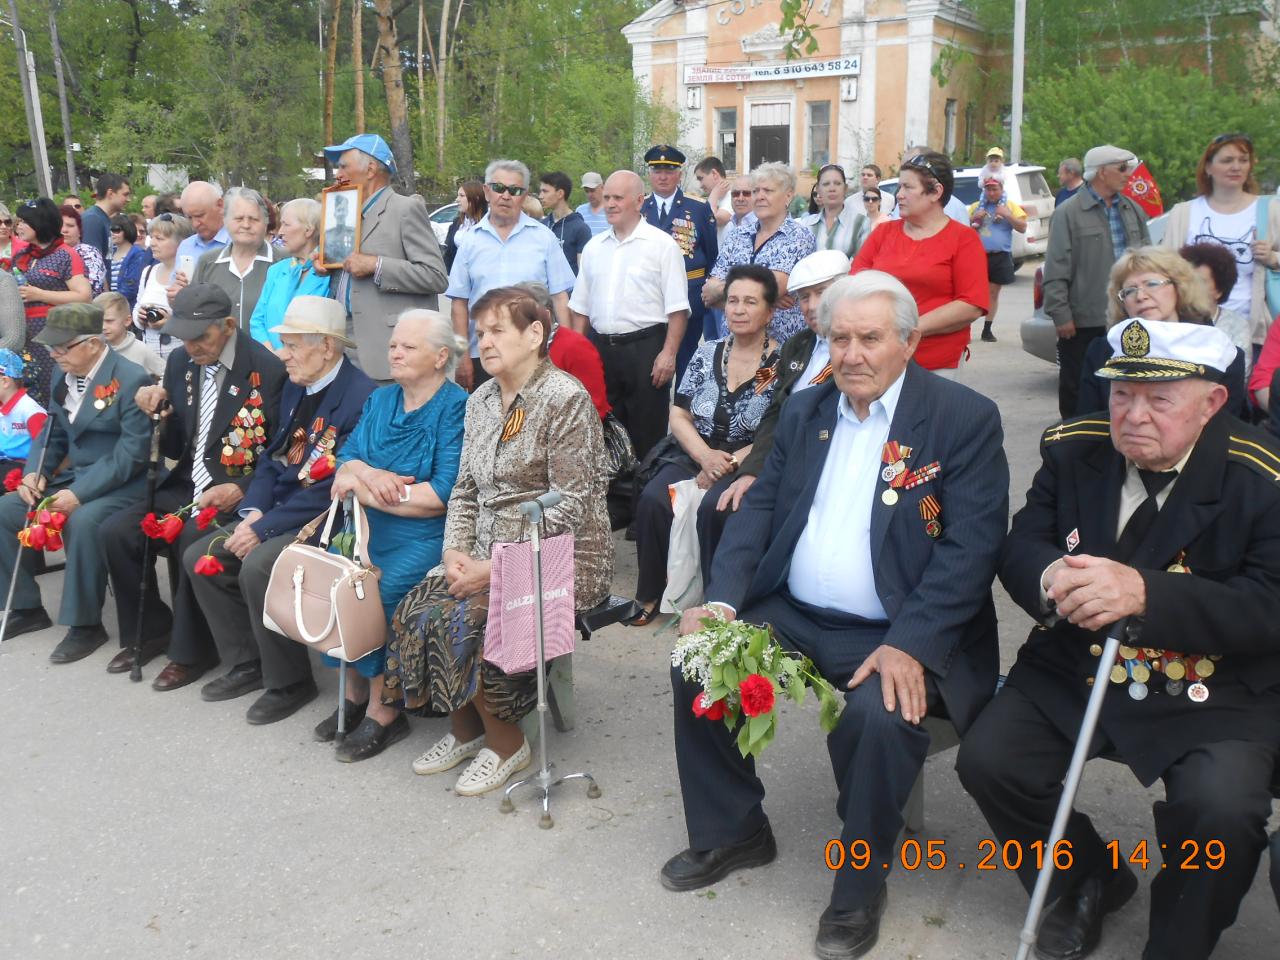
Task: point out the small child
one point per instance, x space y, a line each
21 418
117 331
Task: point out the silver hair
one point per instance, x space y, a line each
870 283
307 211
369 159
1072 166
440 335
511 166
249 195
779 173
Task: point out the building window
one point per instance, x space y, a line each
770 133
819 134
970 129
949 137
727 137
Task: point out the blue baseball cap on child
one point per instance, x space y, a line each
11 364
369 143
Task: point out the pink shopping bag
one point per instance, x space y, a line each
510 642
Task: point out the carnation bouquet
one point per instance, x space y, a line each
742 671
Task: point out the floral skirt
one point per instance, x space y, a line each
435 657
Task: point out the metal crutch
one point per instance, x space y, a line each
153 469
533 511
17 557
1088 725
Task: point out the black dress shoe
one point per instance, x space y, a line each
78 644
327 729
276 704
371 738
26 621
844 934
1073 926
241 679
692 869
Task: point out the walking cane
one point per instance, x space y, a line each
1087 727
533 510
17 557
153 466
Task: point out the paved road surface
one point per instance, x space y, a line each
136 825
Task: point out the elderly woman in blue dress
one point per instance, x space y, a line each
724 393
401 462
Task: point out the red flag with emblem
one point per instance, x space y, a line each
1142 190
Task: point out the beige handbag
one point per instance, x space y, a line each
324 600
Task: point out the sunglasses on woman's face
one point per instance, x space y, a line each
6 222
870 199
117 229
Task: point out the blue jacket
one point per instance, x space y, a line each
693 226
286 279
135 261
286 505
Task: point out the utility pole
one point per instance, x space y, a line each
1019 71
31 100
72 181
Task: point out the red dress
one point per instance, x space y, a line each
48 268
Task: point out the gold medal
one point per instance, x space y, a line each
1205 668
1140 672
1095 649
1175 670
1119 674
1128 653
227 451
889 497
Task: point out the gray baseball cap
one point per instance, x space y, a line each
196 307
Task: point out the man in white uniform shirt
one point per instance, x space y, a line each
632 299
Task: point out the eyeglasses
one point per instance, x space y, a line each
832 166
1147 286
1226 137
920 161
1127 165
117 229
68 347
501 188
870 199
165 218
741 193
6 221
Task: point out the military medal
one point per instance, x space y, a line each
923 475
930 511
1138 690
1198 693
1173 687
889 497
1178 565
99 404
894 456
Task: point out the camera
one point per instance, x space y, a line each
150 316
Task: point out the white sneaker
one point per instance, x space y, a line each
487 772
447 753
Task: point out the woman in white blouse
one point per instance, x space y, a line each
151 310
840 223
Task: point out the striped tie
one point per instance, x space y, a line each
200 478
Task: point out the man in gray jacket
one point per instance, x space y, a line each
399 266
1087 235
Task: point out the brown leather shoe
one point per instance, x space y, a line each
122 662
175 675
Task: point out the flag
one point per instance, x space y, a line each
1142 190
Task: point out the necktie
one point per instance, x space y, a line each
1136 529
200 478
662 210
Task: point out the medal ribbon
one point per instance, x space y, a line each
823 376
513 425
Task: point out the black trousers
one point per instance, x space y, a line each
478 373
692 329
653 528
122 546
628 367
876 756
1070 366
1013 761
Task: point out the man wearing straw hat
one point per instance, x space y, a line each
318 409
1166 513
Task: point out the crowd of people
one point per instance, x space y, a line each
802 377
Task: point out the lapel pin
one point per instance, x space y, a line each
233 390
823 434
1073 539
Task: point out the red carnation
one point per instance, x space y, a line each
13 479
208 566
323 467
170 527
714 711
205 517
151 526
757 695
53 543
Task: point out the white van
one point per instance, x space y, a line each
1026 186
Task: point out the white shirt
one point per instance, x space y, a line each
831 564
1236 232
75 398
821 356
225 257
663 203
627 285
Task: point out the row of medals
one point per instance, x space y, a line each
237 435
1181 671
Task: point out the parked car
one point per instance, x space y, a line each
1026 186
441 217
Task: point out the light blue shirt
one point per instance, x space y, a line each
485 261
831 566
821 357
193 246
286 279
598 222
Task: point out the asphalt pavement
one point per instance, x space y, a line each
135 824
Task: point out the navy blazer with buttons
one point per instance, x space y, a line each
936 592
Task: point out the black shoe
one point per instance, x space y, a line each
370 739
692 869
285 702
78 644
327 729
988 336
26 621
1073 926
844 934
241 679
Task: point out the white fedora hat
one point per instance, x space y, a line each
315 315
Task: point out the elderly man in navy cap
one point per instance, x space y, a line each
1166 514
398 265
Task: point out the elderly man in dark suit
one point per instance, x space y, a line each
224 388
1166 513
870 543
319 406
399 265
95 426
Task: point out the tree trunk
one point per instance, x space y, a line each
331 68
397 105
357 61
440 62
422 81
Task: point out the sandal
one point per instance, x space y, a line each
645 617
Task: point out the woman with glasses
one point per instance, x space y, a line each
95 267
127 258
48 273
1154 284
839 222
7 239
874 206
1229 211
151 310
940 261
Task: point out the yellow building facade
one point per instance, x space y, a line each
863 96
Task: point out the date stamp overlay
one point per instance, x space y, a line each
934 854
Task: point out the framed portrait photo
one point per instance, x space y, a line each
339 225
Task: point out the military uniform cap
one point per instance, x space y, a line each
664 155
1150 351
70 321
